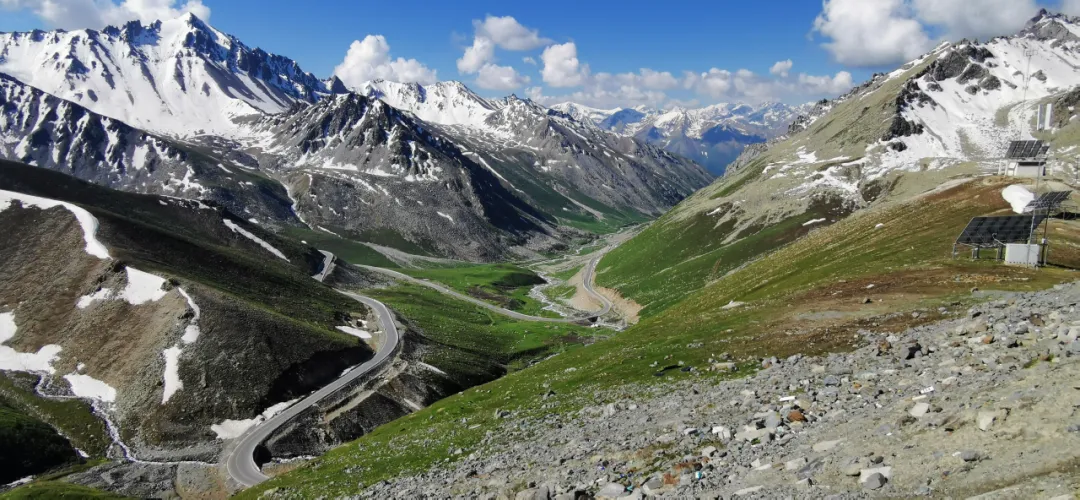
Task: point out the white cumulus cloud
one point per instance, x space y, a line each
495 77
871 32
889 32
509 34
781 68
830 85
479 53
976 18
744 84
529 60
562 67
370 59
74 14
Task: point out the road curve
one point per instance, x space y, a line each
587 276
240 462
587 280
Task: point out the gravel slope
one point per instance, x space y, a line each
999 420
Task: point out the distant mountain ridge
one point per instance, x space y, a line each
712 136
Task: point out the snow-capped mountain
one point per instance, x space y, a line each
515 136
180 77
947 115
46 131
968 100
180 108
585 114
443 103
712 135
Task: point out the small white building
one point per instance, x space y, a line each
1022 254
1027 159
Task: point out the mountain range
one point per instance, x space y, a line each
178 107
182 212
713 136
947 115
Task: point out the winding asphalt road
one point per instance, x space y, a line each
240 460
587 277
240 463
587 280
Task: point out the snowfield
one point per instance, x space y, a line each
172 373
232 429
10 359
355 332
270 248
85 386
142 287
88 222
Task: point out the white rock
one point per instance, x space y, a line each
866 473
747 491
611 490
919 410
796 464
826 445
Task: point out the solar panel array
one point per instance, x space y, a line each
1048 201
1020 150
995 231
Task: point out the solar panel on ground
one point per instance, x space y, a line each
1048 201
1019 150
994 231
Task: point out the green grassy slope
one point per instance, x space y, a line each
29 446
48 490
907 259
504 285
740 216
673 258
352 251
473 344
73 417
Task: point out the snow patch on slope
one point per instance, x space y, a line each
172 373
191 333
270 248
87 387
10 359
232 429
142 287
88 222
87 300
355 332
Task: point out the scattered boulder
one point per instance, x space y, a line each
919 410
874 481
611 490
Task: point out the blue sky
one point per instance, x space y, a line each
602 53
